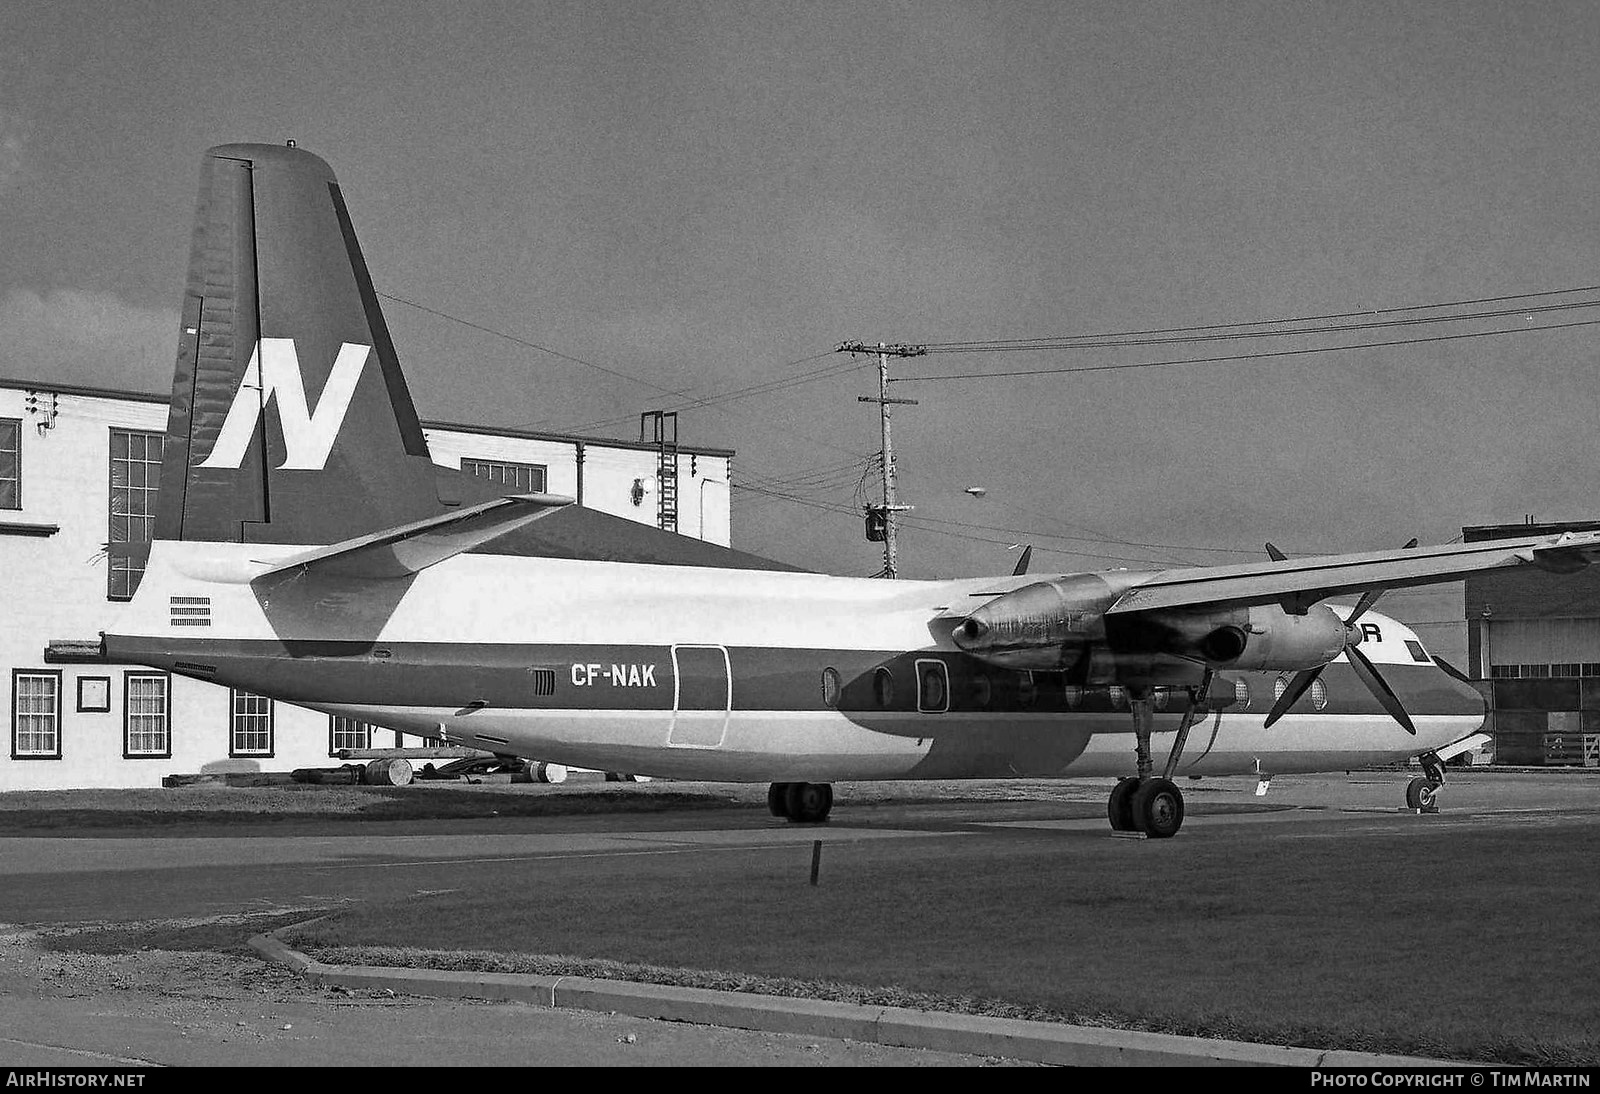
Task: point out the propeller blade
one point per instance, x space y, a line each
1370 597
1380 689
1291 694
1022 563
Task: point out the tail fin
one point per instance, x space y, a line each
290 420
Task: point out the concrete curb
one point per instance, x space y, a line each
899 1027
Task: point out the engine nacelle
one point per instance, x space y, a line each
1262 636
1043 626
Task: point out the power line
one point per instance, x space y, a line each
1241 331
1243 356
1300 319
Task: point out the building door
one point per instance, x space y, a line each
702 689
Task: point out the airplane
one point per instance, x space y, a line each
307 548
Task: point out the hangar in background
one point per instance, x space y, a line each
79 468
1534 640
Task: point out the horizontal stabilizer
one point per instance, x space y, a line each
411 548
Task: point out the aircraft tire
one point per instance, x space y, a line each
1158 808
808 803
778 799
1120 806
1421 795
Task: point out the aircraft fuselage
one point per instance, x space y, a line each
701 673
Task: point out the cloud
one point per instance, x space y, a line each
95 339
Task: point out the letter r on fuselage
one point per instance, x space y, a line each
274 374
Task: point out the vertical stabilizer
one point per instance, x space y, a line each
290 419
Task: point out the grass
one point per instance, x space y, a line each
128 811
1464 943
1449 938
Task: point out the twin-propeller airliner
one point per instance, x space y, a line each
307 548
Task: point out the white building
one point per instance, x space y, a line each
79 469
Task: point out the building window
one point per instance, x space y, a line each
250 730
35 714
347 733
10 463
522 478
147 706
135 476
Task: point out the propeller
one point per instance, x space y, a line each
1364 669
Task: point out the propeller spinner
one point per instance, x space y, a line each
1364 669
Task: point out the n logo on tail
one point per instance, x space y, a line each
274 373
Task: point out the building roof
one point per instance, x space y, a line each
454 427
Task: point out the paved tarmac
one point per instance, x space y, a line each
53 880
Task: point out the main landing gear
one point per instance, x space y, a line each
1422 791
1147 803
802 803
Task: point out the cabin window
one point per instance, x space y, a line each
147 714
1421 655
1319 694
982 691
1027 691
933 687
10 463
250 728
36 714
1241 694
1160 698
1280 684
1119 697
1072 695
830 687
347 733
883 688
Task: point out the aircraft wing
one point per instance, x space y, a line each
410 548
1300 582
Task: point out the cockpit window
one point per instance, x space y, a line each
1417 652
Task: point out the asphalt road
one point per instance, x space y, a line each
61 1008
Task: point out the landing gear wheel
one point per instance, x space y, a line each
1120 807
1158 808
808 803
777 799
1422 795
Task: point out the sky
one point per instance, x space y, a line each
581 211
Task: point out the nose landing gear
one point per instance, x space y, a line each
1422 791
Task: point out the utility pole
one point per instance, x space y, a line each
884 516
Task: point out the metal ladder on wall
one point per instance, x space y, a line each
660 427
